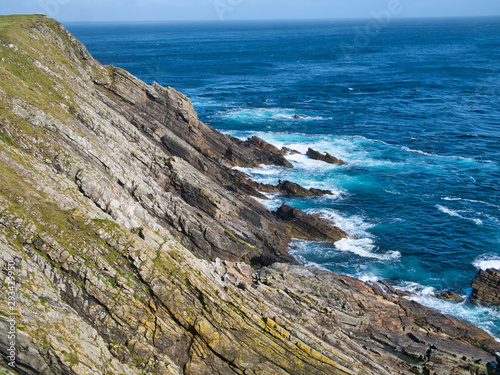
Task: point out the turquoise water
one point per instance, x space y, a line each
414 113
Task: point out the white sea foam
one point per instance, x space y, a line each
365 248
415 288
487 261
355 225
479 316
454 213
272 203
418 151
266 174
267 114
361 242
367 277
482 317
449 211
470 200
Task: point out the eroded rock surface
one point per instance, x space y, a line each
486 287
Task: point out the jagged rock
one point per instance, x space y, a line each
486 287
251 187
326 157
295 190
304 226
449 295
277 157
289 151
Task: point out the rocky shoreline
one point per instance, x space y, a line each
138 249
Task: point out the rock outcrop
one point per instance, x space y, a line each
486 287
127 242
326 157
450 296
303 226
294 190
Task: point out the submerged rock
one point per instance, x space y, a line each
326 157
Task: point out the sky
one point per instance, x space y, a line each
177 10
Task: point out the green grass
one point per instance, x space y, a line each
6 139
7 21
106 222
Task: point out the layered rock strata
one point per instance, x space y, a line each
326 157
486 287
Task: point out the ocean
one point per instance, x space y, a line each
411 106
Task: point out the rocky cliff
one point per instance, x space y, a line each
129 245
486 287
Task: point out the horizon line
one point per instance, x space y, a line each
279 19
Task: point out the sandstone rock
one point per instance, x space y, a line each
326 157
486 287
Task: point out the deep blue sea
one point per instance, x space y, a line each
412 109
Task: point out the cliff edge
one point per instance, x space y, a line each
130 245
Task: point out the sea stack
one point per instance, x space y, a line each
486 287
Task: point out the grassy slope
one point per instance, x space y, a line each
13 19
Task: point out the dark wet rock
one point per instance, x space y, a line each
273 155
326 157
450 296
289 151
303 226
294 190
486 287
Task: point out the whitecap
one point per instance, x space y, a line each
415 288
267 114
354 226
418 151
368 277
364 247
469 200
449 211
454 213
487 261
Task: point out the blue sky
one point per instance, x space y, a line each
159 10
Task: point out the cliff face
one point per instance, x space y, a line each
129 238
